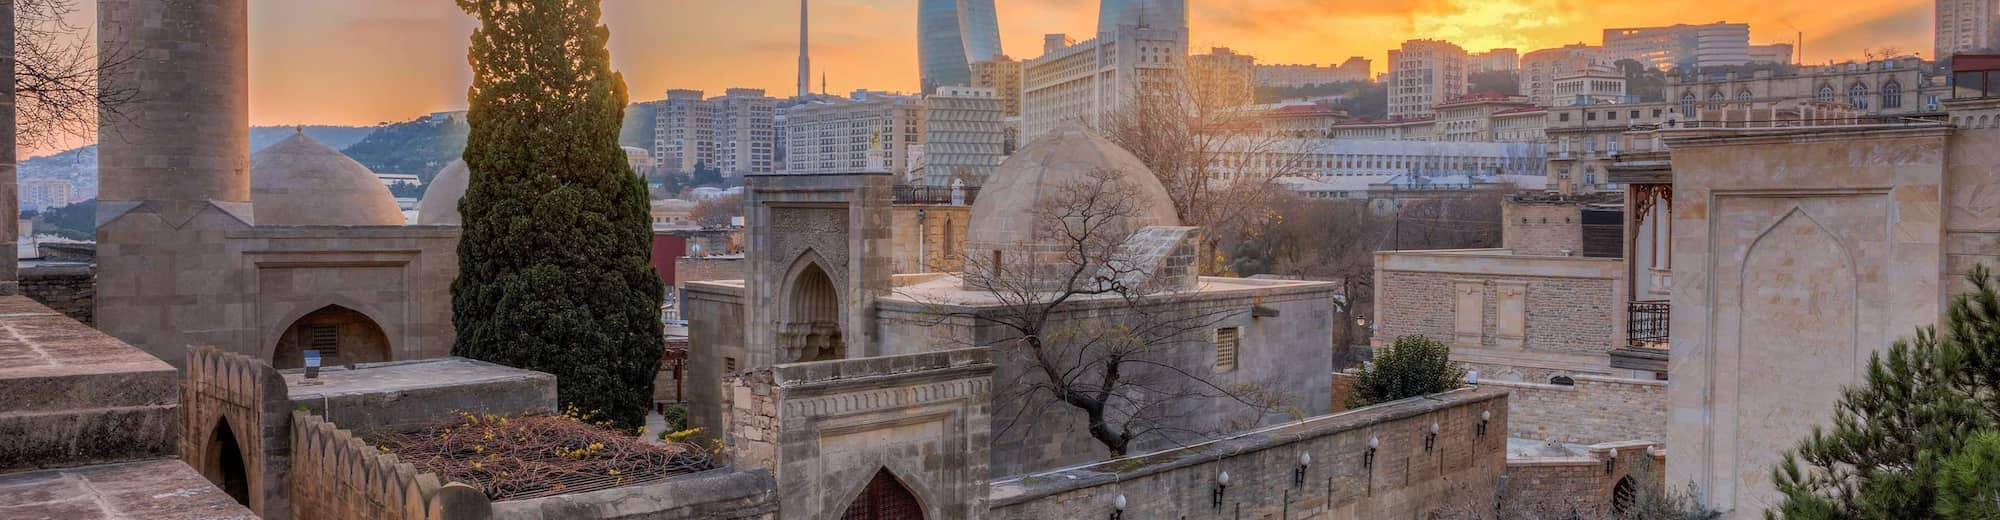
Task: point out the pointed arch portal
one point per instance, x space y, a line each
222 463
884 498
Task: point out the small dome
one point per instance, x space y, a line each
300 182
1003 217
439 206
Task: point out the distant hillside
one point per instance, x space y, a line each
79 165
421 146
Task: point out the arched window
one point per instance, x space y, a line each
1857 95
1715 96
1743 98
884 498
1825 93
1687 103
1892 94
1623 494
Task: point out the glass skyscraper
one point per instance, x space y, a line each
951 34
1157 14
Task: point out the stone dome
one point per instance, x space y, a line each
301 182
1003 217
439 206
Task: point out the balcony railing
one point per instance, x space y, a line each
908 194
1648 325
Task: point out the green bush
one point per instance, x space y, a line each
1969 483
1413 366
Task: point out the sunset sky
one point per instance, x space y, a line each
360 62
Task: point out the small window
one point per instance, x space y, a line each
729 365
323 338
1562 380
1226 340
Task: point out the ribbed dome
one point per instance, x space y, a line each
1003 217
439 206
300 182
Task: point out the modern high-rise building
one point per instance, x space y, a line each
1682 46
1112 14
1539 69
951 34
1964 25
1224 76
963 136
1003 75
1354 69
1422 74
872 134
1493 61
734 133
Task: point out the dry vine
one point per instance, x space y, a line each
542 455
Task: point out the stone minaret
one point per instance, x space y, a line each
174 175
10 195
805 62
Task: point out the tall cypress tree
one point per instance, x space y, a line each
553 272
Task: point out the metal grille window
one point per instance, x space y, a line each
323 338
1226 341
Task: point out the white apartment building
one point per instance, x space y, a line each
1681 46
1962 26
1080 83
41 194
964 136
1469 118
1590 87
1890 87
734 133
1539 69
1494 61
1226 74
1331 159
1422 74
853 136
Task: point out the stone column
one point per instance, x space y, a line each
174 176
10 194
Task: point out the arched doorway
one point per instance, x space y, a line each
341 335
810 329
222 463
1623 494
884 498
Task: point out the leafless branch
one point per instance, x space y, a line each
56 72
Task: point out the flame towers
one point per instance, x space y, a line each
951 34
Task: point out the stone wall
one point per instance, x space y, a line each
1583 485
1542 228
73 396
1594 410
1409 476
70 289
707 268
1512 317
224 395
826 429
721 494
929 238
338 476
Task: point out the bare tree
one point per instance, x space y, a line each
1199 134
56 71
1100 325
717 212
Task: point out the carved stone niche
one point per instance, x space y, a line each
810 341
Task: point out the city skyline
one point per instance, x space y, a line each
401 59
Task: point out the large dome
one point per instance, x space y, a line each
300 182
1003 217
440 204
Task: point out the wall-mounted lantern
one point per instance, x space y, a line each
1118 508
1484 417
1611 461
1221 485
1299 473
1430 437
1368 459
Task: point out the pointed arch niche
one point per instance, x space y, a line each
342 335
884 498
809 321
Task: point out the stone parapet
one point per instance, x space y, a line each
1594 410
1409 474
72 396
70 289
338 476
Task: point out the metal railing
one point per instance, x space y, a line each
908 194
1648 325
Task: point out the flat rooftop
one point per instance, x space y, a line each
37 342
401 376
145 490
405 395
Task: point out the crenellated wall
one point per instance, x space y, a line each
225 395
336 475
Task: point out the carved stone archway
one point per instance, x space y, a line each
810 317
